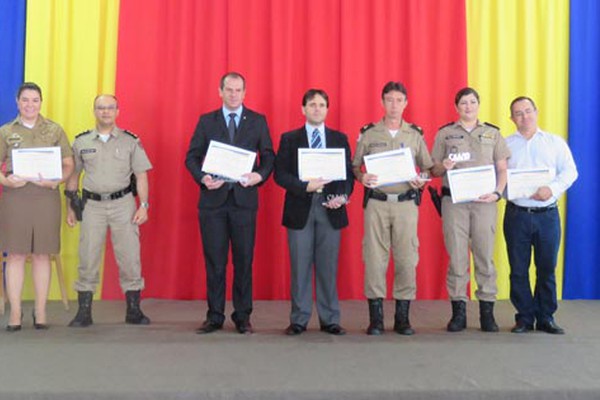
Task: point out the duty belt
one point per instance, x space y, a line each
532 210
109 196
446 191
412 194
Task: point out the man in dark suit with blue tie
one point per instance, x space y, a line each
314 213
227 210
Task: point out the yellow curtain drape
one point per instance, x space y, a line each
71 51
519 47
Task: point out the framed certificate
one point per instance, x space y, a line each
391 167
329 164
468 184
33 163
228 162
523 183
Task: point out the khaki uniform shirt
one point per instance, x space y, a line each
108 166
45 133
378 139
484 145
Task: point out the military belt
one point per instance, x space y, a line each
106 196
394 198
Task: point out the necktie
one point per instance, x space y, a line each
231 126
315 141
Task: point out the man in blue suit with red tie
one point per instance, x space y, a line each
314 213
227 210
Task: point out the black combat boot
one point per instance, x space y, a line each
459 316
134 313
401 322
486 316
83 318
375 317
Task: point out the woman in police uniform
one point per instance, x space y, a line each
30 209
470 143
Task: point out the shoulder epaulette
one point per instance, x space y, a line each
417 128
492 125
448 124
367 127
130 134
83 133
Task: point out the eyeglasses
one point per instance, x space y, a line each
106 108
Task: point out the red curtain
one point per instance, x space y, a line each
170 58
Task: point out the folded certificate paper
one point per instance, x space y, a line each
329 164
31 163
228 161
468 184
523 183
392 166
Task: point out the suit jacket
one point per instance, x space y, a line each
297 200
252 134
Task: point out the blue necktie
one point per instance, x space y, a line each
231 126
315 141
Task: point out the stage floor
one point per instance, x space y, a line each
167 360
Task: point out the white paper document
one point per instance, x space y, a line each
329 164
392 166
523 183
30 163
468 184
228 162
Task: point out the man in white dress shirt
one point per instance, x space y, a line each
534 222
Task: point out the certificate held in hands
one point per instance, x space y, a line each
31 163
392 166
468 184
523 183
328 164
228 162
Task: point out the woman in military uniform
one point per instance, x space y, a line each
30 207
470 143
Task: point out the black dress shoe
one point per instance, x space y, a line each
244 327
521 327
294 329
208 327
550 327
13 328
333 329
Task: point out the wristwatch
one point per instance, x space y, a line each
499 196
145 204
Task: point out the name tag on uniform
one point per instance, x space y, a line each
87 151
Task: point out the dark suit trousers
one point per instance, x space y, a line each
219 227
317 244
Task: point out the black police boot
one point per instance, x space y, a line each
375 317
486 316
83 318
401 322
134 313
458 322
